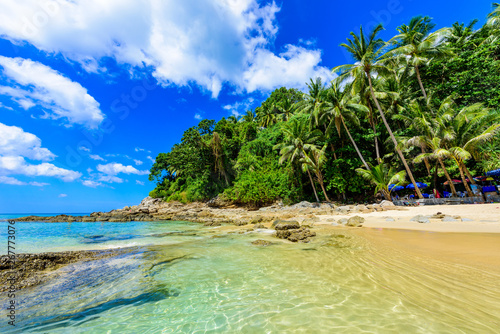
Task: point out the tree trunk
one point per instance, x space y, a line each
462 175
333 150
312 184
471 179
354 143
372 123
448 178
426 162
420 83
320 180
403 160
436 167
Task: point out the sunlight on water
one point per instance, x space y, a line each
340 283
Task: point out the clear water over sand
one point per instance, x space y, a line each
192 282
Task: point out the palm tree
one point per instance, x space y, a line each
365 50
314 100
494 16
286 108
416 45
340 106
248 117
233 119
266 117
297 142
314 161
382 176
459 34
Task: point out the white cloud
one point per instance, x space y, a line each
96 157
151 159
15 146
210 43
198 117
116 168
62 195
83 148
33 84
239 108
110 179
138 162
139 182
15 142
16 182
91 184
17 165
138 149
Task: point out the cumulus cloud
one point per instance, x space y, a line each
238 108
62 195
138 162
198 117
207 42
151 159
116 168
15 146
139 182
15 142
32 84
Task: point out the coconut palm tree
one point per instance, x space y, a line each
365 51
314 99
459 33
248 117
339 107
494 16
382 176
298 140
267 117
314 161
416 45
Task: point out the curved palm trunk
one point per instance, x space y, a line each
354 143
420 82
426 162
462 175
448 178
312 184
403 160
320 180
471 179
372 123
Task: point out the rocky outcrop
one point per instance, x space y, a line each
33 269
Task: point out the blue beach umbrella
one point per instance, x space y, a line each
393 187
495 172
419 184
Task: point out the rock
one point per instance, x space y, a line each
467 220
302 234
355 221
282 221
330 220
212 223
420 219
261 242
334 224
259 226
438 215
240 222
449 219
257 219
286 225
389 219
343 221
343 209
387 204
305 204
218 202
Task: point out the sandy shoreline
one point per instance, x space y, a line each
479 218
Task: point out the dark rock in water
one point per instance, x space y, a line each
240 222
31 269
261 242
355 221
96 239
212 223
279 224
301 234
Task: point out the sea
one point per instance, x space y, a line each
182 277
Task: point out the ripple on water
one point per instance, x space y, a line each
340 283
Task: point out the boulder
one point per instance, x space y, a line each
343 221
259 226
286 225
449 219
355 221
420 219
212 223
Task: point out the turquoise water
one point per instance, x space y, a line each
185 278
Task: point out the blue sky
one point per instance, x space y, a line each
91 91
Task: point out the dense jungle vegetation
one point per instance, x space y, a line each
423 106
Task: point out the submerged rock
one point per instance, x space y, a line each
261 242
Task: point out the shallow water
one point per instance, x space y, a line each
193 282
